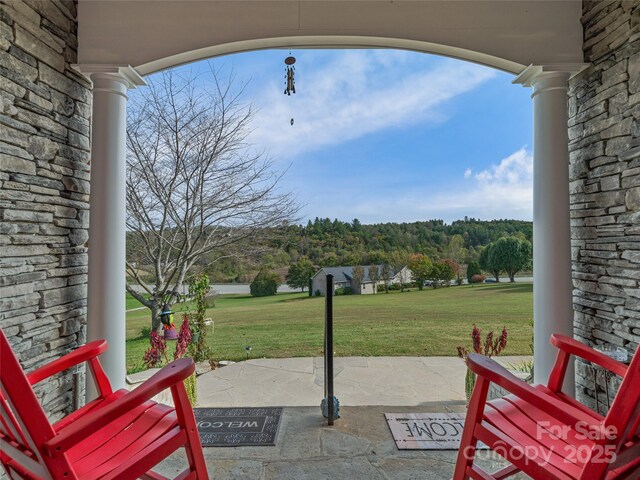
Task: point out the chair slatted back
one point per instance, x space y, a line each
24 424
623 417
9 427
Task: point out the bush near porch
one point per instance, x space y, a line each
414 323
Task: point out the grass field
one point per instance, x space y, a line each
132 302
422 323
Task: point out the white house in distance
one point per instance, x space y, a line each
343 277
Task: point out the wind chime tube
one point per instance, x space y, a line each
290 83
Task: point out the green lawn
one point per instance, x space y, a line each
428 322
132 302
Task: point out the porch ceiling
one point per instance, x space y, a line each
151 35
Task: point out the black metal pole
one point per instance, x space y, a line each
328 348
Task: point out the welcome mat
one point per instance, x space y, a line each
426 431
237 427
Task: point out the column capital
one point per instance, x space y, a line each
124 73
535 73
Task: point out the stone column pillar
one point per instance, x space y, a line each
552 299
106 289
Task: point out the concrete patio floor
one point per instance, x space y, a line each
359 381
359 445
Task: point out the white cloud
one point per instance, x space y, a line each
467 173
504 190
356 93
510 170
507 186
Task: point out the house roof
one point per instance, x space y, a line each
345 273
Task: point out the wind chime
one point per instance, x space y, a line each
290 82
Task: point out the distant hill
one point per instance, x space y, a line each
329 242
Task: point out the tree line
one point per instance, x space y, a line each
510 255
330 243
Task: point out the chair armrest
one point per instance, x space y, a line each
574 347
68 436
496 373
80 355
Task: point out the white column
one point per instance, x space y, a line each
552 298
107 231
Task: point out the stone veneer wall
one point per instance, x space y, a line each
45 108
604 136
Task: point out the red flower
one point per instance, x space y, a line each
477 340
463 352
184 338
156 352
489 347
502 341
488 344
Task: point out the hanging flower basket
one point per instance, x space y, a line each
156 355
170 332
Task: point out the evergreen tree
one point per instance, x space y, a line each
473 268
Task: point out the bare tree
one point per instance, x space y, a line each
194 187
386 275
357 275
400 260
374 276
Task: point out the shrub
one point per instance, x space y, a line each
525 366
210 300
317 293
473 269
145 332
478 279
344 291
394 286
265 284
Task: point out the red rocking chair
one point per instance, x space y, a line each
548 435
120 435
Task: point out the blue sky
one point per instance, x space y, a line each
388 135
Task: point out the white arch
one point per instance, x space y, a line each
330 41
152 35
